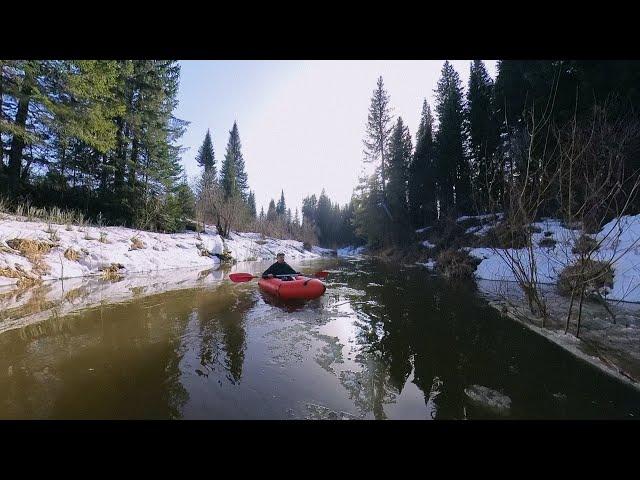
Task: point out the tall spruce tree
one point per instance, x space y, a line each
251 202
482 132
271 211
400 149
379 126
281 207
206 156
452 170
422 175
233 177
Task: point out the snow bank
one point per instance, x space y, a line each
159 251
350 251
621 246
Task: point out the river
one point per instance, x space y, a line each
384 342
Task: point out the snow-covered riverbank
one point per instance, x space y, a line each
620 247
90 250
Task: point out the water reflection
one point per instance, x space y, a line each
222 334
381 343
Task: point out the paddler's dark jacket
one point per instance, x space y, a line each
279 269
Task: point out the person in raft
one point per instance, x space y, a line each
279 268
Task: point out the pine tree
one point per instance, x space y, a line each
206 156
379 126
271 211
422 175
482 131
233 177
452 171
281 207
261 213
400 149
296 218
251 202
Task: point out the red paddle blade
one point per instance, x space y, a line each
240 277
321 274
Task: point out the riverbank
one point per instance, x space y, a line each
35 251
609 333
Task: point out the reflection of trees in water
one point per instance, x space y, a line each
116 361
411 322
222 335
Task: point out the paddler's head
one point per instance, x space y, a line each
280 258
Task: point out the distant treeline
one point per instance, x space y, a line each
477 143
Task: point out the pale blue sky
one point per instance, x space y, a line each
301 122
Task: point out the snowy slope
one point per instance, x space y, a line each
161 251
621 246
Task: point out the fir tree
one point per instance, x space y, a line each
233 177
379 126
206 156
251 202
452 171
271 211
482 131
281 206
400 149
422 180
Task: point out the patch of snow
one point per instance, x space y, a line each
620 246
160 252
423 229
350 251
431 264
428 244
488 398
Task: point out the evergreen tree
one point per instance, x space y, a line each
309 206
251 202
323 218
296 218
422 175
261 213
452 170
232 174
379 126
281 207
271 211
400 149
206 156
482 131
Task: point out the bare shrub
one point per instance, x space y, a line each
103 237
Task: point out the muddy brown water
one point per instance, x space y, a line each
382 343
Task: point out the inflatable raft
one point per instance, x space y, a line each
301 288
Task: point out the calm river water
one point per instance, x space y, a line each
382 343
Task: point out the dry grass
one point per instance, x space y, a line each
592 274
137 244
103 237
32 250
71 254
112 272
455 264
25 280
